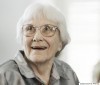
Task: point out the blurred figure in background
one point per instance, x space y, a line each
96 73
43 35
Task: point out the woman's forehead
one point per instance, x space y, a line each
40 21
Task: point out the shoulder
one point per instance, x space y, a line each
9 74
61 64
66 70
8 65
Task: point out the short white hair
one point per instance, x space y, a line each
50 12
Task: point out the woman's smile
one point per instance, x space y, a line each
39 48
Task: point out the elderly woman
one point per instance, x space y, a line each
42 34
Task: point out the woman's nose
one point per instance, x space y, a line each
37 36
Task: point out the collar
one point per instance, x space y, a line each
25 70
23 65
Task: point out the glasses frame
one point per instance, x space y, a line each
39 28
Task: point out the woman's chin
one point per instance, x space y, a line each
38 59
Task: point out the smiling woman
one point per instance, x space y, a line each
43 35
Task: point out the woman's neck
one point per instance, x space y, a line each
43 70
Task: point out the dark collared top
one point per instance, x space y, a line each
17 72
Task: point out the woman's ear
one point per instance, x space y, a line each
60 46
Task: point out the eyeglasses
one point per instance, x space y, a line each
46 30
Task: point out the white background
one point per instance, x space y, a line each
82 16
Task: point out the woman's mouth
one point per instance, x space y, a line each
39 47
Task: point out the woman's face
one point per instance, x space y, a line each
39 48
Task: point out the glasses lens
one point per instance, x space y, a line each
48 30
29 29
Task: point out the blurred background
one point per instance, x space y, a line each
83 23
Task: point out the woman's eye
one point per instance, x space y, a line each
29 28
47 28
